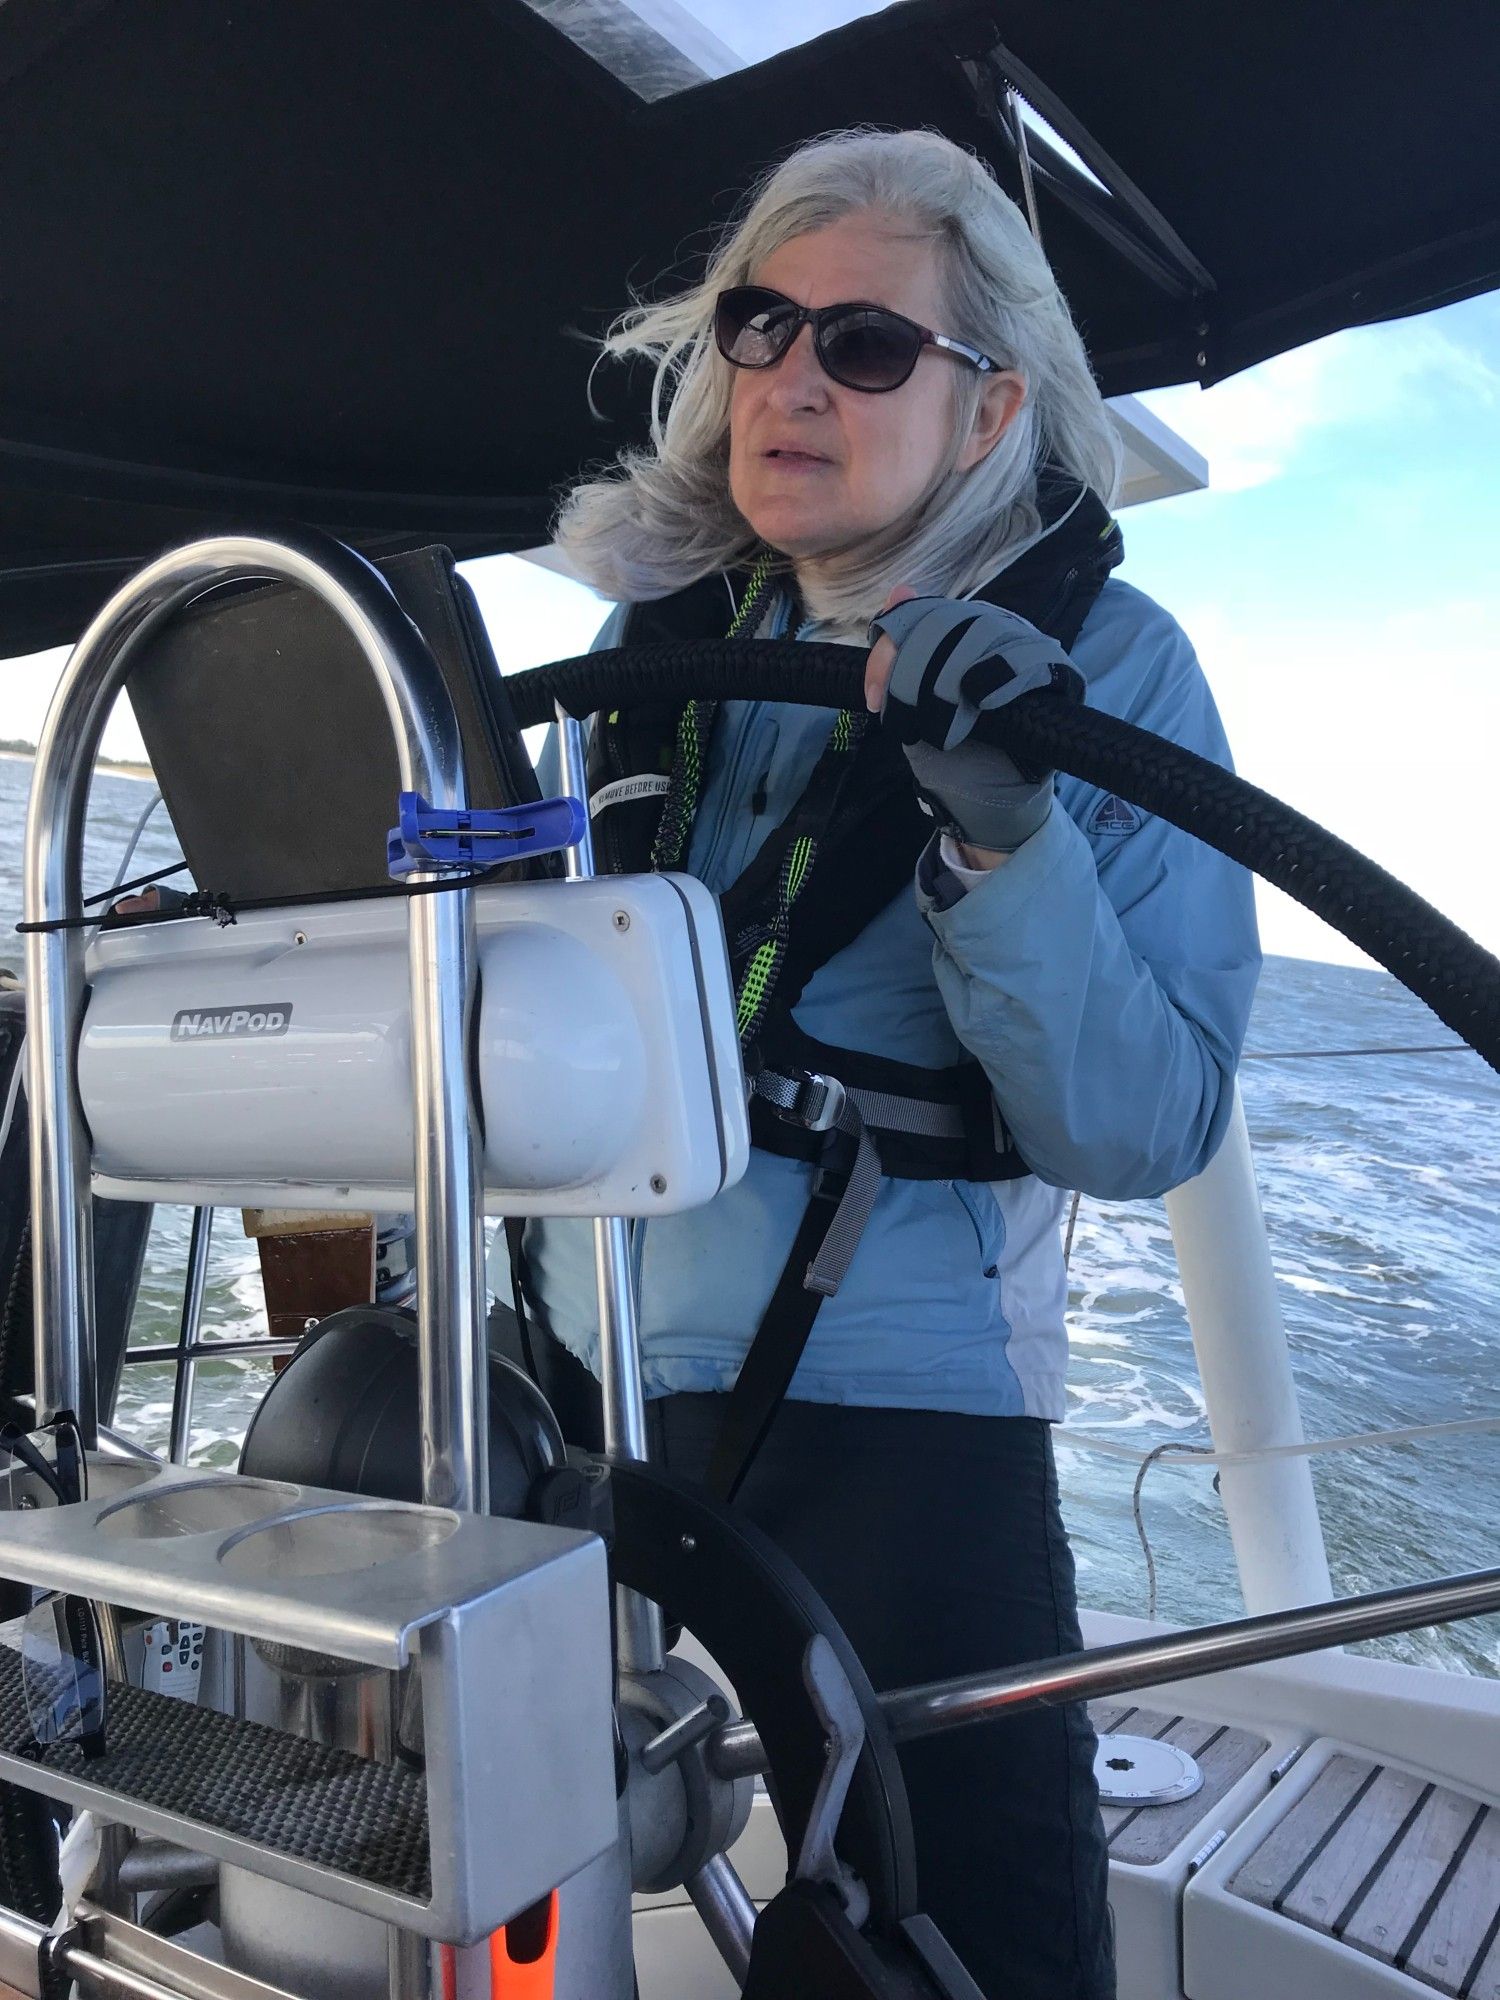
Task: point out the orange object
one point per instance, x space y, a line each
523 1955
448 1962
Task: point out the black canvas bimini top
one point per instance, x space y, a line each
271 259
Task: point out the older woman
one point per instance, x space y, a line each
876 407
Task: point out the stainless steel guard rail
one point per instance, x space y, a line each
73 1959
450 1298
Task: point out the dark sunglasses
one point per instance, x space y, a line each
862 347
62 1651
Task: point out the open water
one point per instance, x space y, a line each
1381 1190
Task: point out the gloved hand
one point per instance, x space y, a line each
953 662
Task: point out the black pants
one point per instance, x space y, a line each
938 1544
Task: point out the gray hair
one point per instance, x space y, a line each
663 518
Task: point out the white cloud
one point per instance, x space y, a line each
1251 427
533 615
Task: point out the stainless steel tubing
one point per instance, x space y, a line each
1023 156
723 1902
114 1982
200 1239
408 1966
19 1943
19 1940
1139 1663
638 1620
1212 1649
112 1445
209 1351
212 1350
441 931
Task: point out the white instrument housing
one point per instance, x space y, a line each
268 1064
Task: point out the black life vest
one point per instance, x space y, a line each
854 1115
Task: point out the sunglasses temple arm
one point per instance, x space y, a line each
19 1446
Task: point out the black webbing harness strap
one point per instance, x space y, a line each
840 1205
855 1117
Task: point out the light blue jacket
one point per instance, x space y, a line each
1103 976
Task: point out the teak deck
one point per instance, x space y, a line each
1144 1835
1405 1870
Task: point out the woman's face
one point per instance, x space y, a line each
816 468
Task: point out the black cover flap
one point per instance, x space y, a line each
269 737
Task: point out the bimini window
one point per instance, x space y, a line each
660 47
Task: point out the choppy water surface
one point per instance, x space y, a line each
1381 1191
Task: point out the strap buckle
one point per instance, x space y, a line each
819 1101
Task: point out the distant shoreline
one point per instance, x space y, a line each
111 765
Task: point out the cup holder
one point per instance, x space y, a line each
195 1509
334 1541
109 1478
21 1491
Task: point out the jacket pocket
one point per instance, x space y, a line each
979 1205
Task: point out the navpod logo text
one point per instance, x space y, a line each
197 1024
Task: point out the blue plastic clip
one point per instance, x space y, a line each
431 838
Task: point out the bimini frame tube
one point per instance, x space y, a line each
638 1620
450 1295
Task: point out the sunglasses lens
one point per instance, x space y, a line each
752 327
869 349
44 1468
62 1671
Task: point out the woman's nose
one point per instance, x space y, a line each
797 381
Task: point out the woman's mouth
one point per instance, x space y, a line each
794 460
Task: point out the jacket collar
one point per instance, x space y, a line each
1053 582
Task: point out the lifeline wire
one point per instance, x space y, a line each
141 882
1308 1055
1194 1454
227 910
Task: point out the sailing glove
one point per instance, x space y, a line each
954 662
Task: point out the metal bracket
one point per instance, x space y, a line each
837 1709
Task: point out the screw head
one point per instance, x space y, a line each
689 1545
299 937
621 920
658 1183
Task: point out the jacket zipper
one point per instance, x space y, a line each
749 729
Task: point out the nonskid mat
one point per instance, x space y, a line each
322 1806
